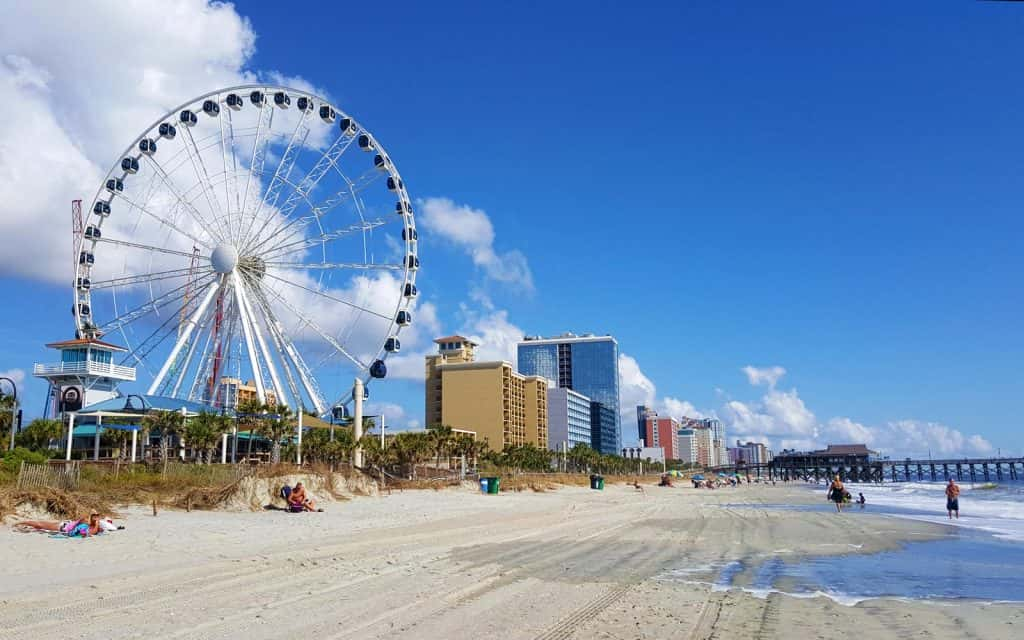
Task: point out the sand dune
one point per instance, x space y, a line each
456 564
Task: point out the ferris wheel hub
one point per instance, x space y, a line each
224 258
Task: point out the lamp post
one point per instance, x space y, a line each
135 432
14 407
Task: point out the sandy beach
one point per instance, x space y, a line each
570 563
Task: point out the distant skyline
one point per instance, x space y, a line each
802 218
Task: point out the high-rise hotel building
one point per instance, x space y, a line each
502 406
587 364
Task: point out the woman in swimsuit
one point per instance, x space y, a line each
837 493
67 527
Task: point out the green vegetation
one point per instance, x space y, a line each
12 459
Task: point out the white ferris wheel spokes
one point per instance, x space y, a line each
256 233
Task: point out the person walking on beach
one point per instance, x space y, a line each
952 499
837 493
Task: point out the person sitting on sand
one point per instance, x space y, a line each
837 493
298 498
70 528
952 499
665 481
638 487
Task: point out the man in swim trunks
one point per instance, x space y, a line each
952 499
300 499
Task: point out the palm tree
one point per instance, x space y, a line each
166 423
441 437
250 415
39 433
408 450
204 431
276 426
6 403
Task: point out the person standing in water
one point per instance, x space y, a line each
837 493
952 499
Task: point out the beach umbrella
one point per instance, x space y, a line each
698 477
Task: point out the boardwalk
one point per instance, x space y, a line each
961 470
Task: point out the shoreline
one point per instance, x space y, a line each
433 564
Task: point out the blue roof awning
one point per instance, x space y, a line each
140 404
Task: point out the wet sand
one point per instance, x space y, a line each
571 563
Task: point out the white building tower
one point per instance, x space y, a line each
86 374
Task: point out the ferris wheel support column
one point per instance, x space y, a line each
357 423
261 392
279 395
190 326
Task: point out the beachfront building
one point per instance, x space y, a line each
664 433
687 445
642 413
604 427
718 454
751 453
450 350
84 375
238 393
709 440
587 364
503 407
568 419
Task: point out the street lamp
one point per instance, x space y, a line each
14 407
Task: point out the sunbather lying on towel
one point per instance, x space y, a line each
70 528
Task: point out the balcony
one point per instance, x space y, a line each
85 368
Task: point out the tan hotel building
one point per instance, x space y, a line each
501 405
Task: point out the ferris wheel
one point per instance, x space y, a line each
257 236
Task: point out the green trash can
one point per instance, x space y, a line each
600 483
493 485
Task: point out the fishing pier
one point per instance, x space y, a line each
856 463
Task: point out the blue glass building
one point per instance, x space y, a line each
586 364
604 434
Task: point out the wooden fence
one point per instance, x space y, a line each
38 476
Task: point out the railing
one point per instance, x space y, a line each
87 367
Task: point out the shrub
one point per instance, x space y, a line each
14 458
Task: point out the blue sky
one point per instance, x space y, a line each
830 189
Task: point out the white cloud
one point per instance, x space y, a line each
918 437
72 101
763 375
496 336
396 418
18 375
471 230
782 420
635 389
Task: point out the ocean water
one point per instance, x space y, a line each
981 557
996 508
